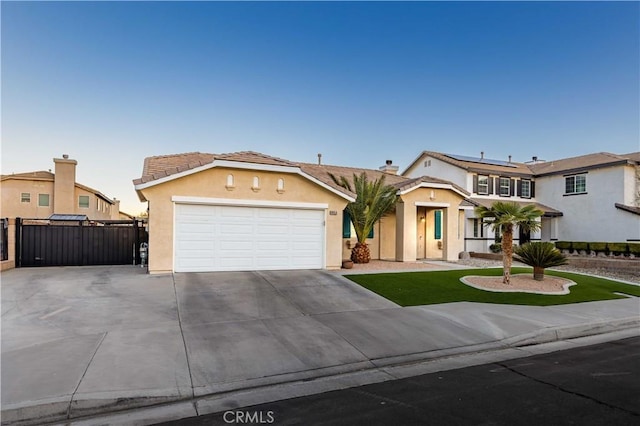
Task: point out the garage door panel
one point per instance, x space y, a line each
232 238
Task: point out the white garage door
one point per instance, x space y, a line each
230 238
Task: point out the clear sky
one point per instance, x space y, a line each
110 83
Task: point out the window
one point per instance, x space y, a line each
25 197
575 184
525 188
83 201
346 226
505 187
43 200
483 185
427 163
478 229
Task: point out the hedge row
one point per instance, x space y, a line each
616 249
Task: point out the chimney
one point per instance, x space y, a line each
115 209
64 185
481 155
534 158
319 159
388 168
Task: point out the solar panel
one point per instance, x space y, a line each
481 160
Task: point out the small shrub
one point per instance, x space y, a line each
563 245
495 248
634 249
618 248
598 247
580 246
539 255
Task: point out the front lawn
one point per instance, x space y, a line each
426 288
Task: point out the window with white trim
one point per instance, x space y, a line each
525 188
505 187
483 185
576 184
25 197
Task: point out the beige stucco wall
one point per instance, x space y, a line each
11 192
406 224
65 200
212 184
12 206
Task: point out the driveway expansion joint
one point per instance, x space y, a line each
184 342
84 373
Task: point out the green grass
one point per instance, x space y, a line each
427 288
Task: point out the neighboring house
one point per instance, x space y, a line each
606 189
42 194
250 211
599 195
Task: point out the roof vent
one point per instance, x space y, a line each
65 156
319 159
482 155
509 159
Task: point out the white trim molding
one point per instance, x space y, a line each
245 166
434 185
179 199
431 204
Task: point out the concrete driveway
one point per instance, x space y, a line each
85 340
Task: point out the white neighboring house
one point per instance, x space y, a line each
599 195
594 197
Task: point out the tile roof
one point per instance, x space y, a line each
410 183
589 161
166 165
582 162
479 165
323 173
487 202
39 175
48 176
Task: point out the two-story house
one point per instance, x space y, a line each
598 193
42 194
488 180
594 197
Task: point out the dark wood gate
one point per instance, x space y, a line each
103 243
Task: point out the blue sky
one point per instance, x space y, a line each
110 83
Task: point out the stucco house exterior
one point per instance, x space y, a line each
599 195
250 211
594 197
40 194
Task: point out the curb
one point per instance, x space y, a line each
137 410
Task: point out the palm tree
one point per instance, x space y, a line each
504 216
540 255
373 200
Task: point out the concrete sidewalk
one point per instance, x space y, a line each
85 341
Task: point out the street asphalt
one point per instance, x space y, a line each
596 385
94 341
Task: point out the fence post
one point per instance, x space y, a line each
18 254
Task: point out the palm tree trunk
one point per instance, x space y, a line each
507 253
538 273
